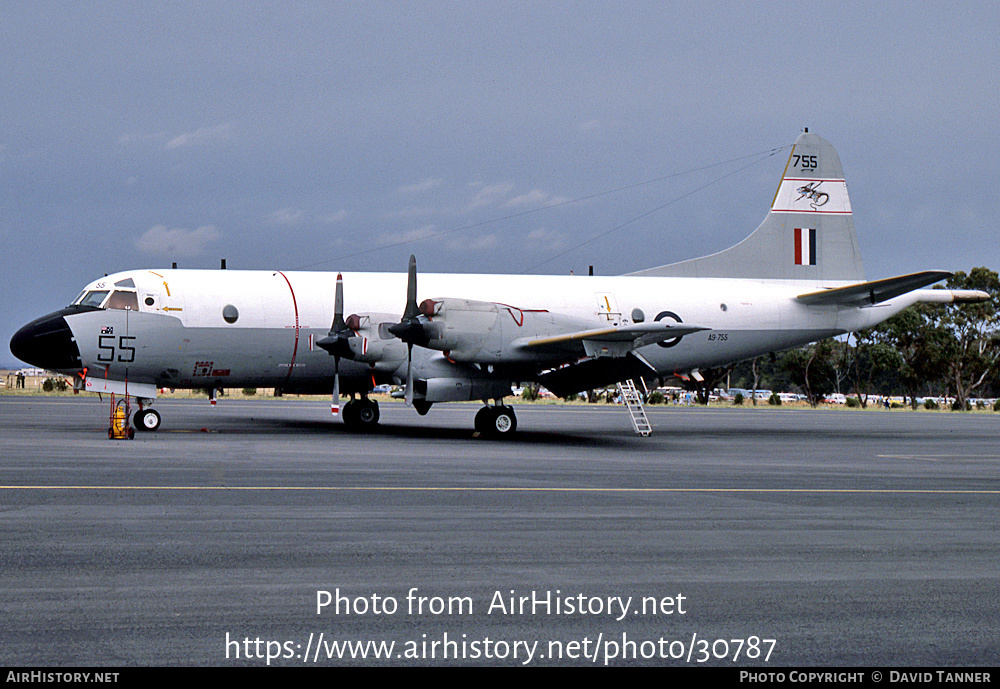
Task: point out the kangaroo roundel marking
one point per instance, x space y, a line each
668 314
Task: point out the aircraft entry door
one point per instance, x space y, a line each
607 308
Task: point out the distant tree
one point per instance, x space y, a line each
974 349
840 363
811 369
868 356
955 346
711 377
920 346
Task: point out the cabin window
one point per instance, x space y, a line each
123 301
94 298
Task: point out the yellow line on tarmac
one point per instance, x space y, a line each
526 489
934 458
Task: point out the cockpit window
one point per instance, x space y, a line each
94 298
127 282
123 300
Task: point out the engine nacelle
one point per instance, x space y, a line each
460 389
479 331
371 343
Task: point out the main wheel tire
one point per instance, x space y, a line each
496 422
368 413
361 415
504 422
483 420
349 414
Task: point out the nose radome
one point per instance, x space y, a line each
48 343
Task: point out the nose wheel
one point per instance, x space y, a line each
496 422
146 419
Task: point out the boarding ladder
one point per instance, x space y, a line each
632 400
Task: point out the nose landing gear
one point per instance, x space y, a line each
147 419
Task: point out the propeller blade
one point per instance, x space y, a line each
412 309
335 404
336 340
410 328
338 307
409 376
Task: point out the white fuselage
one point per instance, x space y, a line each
199 328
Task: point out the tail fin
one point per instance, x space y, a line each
807 235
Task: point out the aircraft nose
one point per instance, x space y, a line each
48 343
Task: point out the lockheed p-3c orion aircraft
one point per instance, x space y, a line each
457 337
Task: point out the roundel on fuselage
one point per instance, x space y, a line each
668 314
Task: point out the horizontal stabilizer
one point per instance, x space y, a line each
874 291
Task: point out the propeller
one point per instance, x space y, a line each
410 328
336 341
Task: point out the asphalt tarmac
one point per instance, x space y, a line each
261 532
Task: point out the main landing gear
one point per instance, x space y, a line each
496 422
361 414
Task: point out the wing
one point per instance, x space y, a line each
614 342
489 332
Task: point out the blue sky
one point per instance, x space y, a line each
286 135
